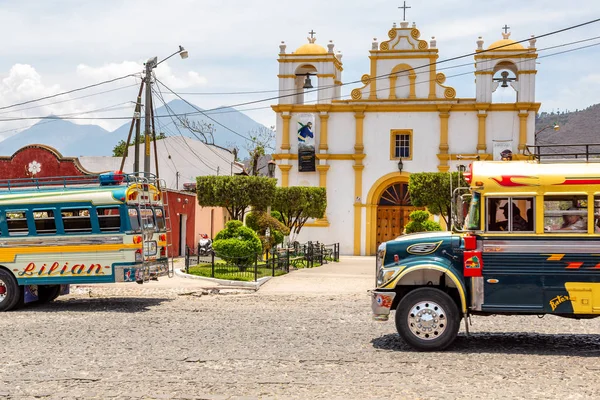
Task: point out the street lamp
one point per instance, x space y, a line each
555 126
150 65
400 165
271 168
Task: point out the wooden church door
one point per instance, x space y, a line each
393 210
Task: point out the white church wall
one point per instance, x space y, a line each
502 126
340 209
462 132
341 133
377 129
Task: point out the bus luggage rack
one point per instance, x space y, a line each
549 153
68 181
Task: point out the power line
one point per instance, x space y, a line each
72 99
67 92
203 113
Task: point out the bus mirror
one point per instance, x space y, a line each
461 208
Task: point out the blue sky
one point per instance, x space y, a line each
53 46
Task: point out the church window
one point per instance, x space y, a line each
401 144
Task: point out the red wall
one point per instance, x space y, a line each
52 163
181 203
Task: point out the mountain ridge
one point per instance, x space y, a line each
71 139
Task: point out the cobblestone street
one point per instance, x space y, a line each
306 335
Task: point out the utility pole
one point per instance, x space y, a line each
150 64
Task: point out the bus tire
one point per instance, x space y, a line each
10 292
48 293
427 319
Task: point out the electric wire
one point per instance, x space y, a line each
308 91
181 134
67 92
210 146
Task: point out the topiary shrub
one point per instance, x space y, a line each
237 244
259 221
419 222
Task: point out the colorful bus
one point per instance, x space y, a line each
530 246
59 231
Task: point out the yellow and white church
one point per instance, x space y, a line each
402 110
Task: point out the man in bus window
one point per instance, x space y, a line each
518 222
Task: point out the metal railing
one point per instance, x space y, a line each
275 262
564 152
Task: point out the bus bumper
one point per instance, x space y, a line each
140 273
381 304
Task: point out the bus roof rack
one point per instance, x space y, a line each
563 153
53 182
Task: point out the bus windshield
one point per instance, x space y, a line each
160 219
472 218
134 219
147 218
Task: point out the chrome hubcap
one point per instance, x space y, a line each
427 320
3 290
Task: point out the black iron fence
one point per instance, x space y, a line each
277 261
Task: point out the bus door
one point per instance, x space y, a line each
513 271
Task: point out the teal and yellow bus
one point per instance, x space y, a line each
79 230
530 246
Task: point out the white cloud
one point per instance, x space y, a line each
233 45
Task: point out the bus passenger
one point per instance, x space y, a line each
572 222
518 222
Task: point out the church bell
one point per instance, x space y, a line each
307 82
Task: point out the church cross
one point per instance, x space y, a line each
404 7
311 33
506 28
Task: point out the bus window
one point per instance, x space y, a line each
76 220
510 214
160 219
16 222
134 219
147 218
45 224
565 214
109 219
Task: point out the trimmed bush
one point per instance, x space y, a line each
237 244
419 222
259 221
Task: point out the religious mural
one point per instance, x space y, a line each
306 143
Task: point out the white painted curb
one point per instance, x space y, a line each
224 282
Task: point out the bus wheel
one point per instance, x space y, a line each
48 293
10 292
427 319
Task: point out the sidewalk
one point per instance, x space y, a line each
352 274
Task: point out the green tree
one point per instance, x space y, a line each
259 221
119 149
237 244
235 193
299 203
419 222
432 190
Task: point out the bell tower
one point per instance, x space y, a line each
505 63
310 67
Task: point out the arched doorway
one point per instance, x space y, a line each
393 209
385 196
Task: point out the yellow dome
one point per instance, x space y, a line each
311 48
508 44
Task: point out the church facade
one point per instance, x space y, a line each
401 118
